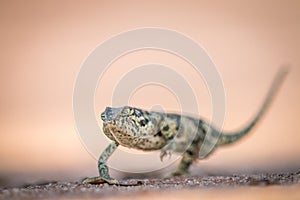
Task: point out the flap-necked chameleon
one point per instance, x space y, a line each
169 132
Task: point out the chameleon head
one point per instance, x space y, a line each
132 127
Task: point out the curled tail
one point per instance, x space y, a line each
232 137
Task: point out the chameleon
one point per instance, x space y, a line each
145 130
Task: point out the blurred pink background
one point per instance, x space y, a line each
44 43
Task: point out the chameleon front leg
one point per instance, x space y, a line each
104 176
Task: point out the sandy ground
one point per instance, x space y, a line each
266 186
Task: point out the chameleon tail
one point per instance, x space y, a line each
225 139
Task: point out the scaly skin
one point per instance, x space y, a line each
147 130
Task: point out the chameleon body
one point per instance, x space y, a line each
169 132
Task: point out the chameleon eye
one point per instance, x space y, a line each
143 122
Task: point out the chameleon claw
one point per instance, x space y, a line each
164 154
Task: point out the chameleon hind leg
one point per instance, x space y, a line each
183 167
104 176
188 157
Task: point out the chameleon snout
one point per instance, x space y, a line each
110 113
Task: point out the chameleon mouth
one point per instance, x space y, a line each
110 113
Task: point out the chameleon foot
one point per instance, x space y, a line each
98 180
